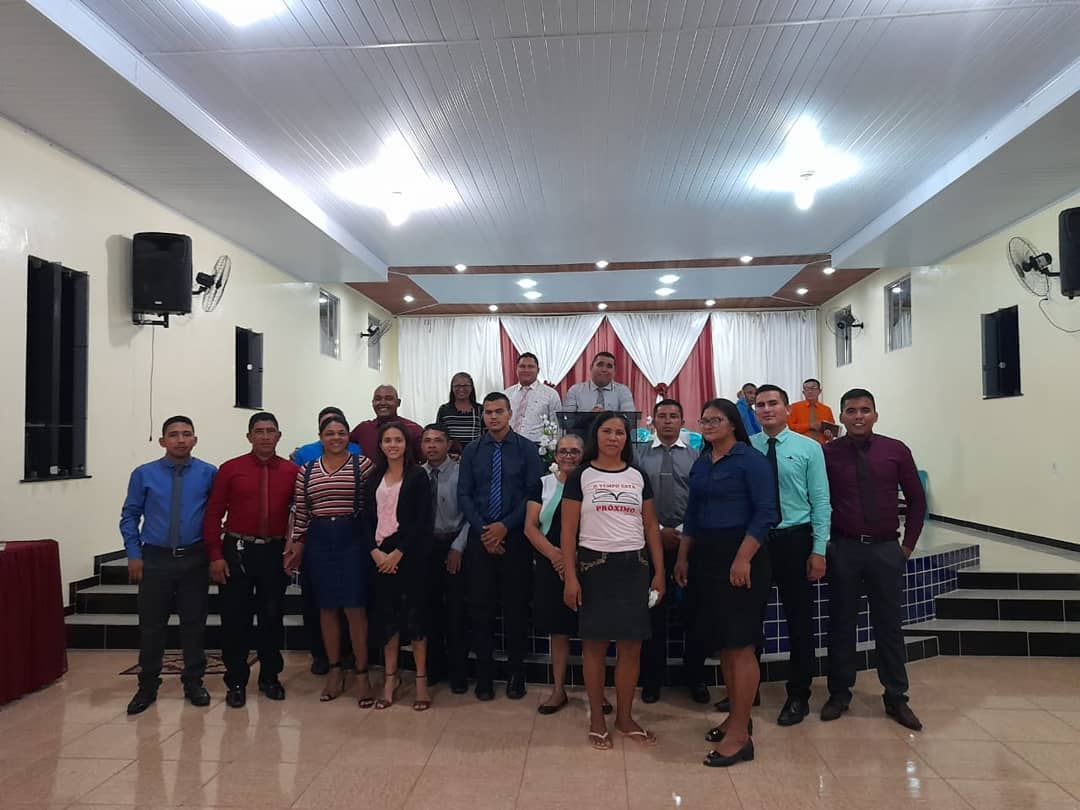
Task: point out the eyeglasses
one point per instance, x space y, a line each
565 453
712 421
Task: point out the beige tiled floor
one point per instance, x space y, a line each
1000 733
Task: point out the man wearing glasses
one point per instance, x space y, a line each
667 464
811 417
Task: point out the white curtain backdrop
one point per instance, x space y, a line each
432 350
764 347
557 341
658 342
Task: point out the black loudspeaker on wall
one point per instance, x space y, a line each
161 274
1069 250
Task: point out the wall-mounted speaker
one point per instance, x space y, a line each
249 368
161 273
1069 251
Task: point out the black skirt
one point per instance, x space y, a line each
551 616
614 595
728 618
401 602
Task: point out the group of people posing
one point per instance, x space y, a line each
409 535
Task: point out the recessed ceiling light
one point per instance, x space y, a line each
805 166
829 270
670 278
408 299
532 295
395 183
461 268
665 291
601 306
801 291
746 259
709 302
526 283
897 289
600 265
493 307
242 13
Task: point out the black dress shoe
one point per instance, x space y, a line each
724 704
320 666
459 687
715 735
485 691
272 689
236 697
142 701
833 708
715 759
793 712
515 687
902 714
699 693
197 695
650 694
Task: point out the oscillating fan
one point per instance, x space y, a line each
375 333
212 285
1031 267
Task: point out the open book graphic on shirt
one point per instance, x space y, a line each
629 497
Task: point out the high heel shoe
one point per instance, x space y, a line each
365 701
421 705
328 693
714 759
383 703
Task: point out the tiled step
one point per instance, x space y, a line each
1010 605
114 572
981 578
124 599
120 631
1001 637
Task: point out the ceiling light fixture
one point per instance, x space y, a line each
242 13
601 306
801 291
665 291
746 259
829 271
526 283
493 307
395 183
532 295
805 166
461 268
408 299
600 265
670 278
710 302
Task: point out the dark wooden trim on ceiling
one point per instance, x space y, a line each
581 267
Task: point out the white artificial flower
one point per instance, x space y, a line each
554 467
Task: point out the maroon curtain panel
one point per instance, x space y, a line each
693 386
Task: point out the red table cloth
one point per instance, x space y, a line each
32 647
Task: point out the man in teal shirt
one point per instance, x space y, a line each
797 545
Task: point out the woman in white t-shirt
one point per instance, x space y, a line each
608 521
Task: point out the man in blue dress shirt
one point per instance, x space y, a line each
161 523
498 473
745 404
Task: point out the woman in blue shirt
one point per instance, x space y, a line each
731 508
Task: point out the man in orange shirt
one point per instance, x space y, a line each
807 416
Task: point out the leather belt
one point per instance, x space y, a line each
255 541
800 529
866 539
178 552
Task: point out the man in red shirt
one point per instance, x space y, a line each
244 531
385 402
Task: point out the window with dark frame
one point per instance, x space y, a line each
329 325
57 318
898 314
841 321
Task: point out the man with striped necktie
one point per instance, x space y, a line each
497 475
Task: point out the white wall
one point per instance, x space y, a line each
1012 463
55 207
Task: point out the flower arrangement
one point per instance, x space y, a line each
549 438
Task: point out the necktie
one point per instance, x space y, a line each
814 422
667 488
776 476
519 412
435 492
866 486
174 509
495 498
600 398
264 500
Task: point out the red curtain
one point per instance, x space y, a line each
692 387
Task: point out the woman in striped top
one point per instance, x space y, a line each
328 535
461 415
